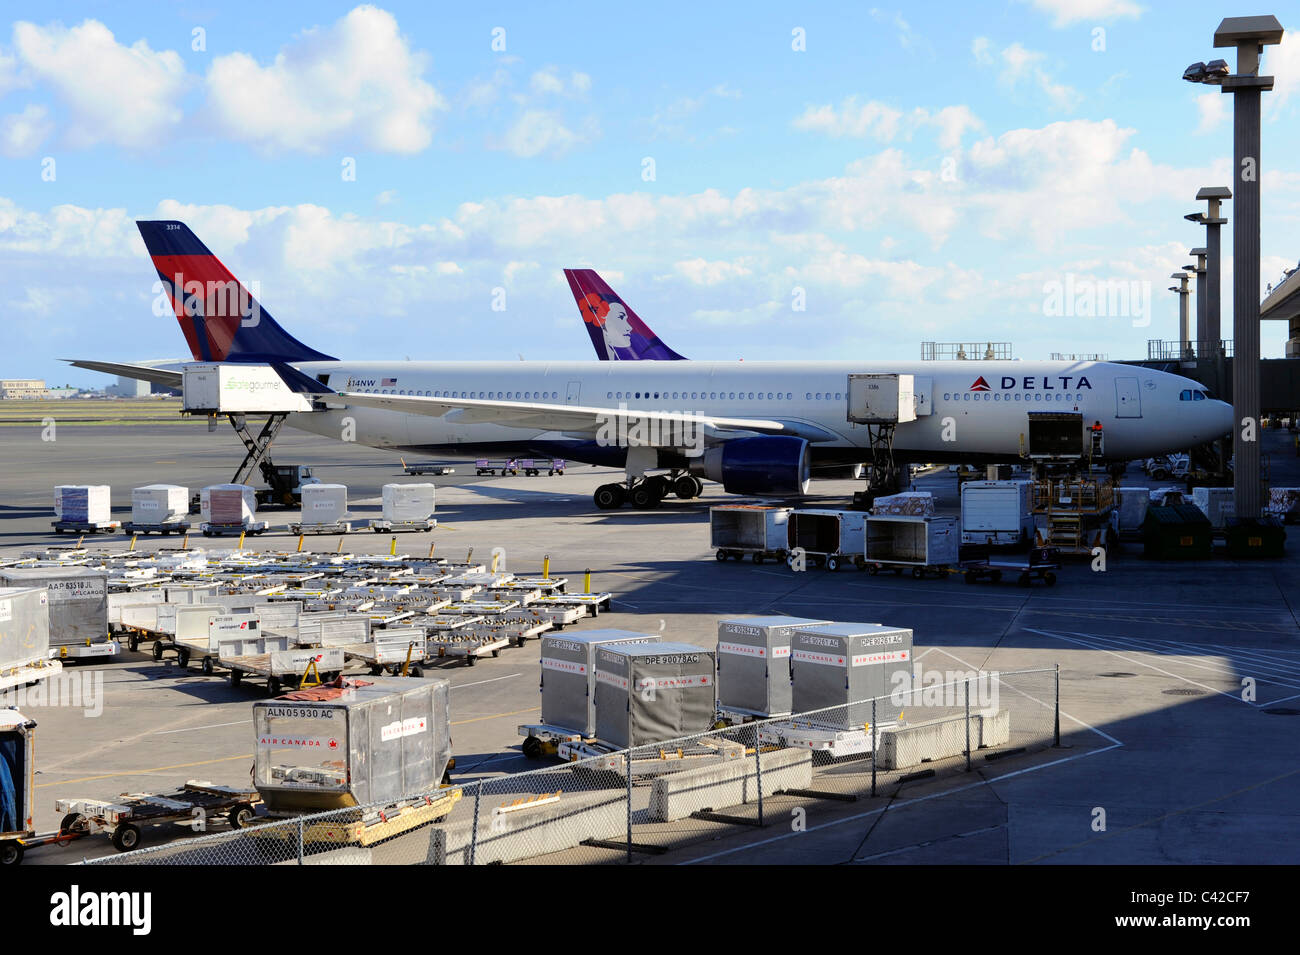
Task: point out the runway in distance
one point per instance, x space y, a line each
756 427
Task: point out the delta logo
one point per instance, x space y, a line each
980 385
1033 383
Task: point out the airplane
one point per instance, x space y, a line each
755 427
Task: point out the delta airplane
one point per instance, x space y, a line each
755 427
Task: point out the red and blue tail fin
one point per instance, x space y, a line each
617 333
221 319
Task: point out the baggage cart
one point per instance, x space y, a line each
593 604
426 467
560 616
828 538
338 527
130 814
391 651
1040 564
86 527
269 659
923 545
467 643
210 529
740 530
172 527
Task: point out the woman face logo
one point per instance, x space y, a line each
617 328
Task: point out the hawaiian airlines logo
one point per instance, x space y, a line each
980 385
610 317
594 309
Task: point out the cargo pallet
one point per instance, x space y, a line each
402 527
571 746
338 527
328 662
833 741
125 818
172 527
470 646
233 530
372 826
391 652
78 651
419 468
86 527
592 603
29 673
1026 571
918 570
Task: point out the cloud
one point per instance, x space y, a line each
1067 12
979 48
1283 63
1021 65
539 131
669 122
852 119
1212 108
548 82
700 271
22 133
125 95
355 84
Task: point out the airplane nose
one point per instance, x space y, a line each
1217 419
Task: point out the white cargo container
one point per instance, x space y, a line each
882 399
82 503
78 607
238 388
160 504
1216 503
324 503
24 633
408 503
996 512
740 529
1131 505
227 504
922 543
828 537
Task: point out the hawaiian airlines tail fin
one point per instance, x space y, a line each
221 319
617 333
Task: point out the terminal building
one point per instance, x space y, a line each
23 388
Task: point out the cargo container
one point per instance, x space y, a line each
1131 505
160 504
1177 532
881 399
368 742
921 544
568 683
237 388
82 503
324 503
754 664
827 537
996 513
652 693
740 529
78 607
17 783
846 665
1216 503
227 504
24 634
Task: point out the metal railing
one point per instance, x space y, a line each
1185 351
678 792
965 351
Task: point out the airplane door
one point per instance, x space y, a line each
1128 404
571 396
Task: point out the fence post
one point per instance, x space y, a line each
473 832
627 766
968 724
758 771
1056 710
874 754
300 840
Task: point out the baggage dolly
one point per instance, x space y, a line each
338 527
198 800
173 527
233 530
571 747
403 527
833 742
86 527
1041 564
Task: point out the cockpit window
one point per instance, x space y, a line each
1185 394
1199 396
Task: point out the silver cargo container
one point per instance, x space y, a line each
375 741
78 602
754 663
24 627
569 675
653 692
838 664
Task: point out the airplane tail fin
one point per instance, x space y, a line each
617 333
221 319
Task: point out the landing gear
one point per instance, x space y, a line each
688 486
610 497
646 494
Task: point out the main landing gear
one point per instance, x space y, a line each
648 492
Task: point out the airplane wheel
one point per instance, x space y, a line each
659 486
610 497
644 496
686 487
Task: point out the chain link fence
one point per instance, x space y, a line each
592 810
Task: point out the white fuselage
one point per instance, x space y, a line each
966 408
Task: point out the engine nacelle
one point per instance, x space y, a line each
762 465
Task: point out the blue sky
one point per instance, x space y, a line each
921 173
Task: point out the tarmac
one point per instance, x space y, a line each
1162 761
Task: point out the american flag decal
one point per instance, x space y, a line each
388 383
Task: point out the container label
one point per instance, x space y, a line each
65 591
271 741
6 610
407 727
744 650
612 679
673 682
300 712
856 660
564 666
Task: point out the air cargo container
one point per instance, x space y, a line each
78 607
845 666
881 399
237 388
827 538
25 636
921 544
652 693
754 664
759 531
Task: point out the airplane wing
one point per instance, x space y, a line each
573 418
161 376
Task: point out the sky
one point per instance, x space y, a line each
758 181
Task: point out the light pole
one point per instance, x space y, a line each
1199 268
1249 35
1184 322
1213 220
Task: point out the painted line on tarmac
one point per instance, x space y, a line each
495 716
209 726
141 772
461 686
931 842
